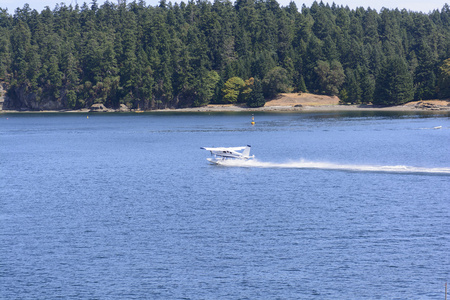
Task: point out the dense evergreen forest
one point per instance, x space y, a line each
195 53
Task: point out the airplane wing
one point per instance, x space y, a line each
223 148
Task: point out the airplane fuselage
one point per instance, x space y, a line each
222 153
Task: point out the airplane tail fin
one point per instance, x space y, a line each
246 152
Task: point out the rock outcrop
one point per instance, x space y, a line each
123 108
432 105
98 107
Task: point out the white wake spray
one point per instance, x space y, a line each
303 164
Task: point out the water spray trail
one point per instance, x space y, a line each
302 164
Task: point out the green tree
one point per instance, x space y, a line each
331 76
302 85
394 85
54 76
246 90
444 80
256 96
424 77
231 90
5 52
21 47
353 90
276 81
206 93
367 84
262 63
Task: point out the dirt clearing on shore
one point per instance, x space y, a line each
303 99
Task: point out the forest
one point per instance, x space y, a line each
199 52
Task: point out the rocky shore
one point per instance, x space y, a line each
284 103
315 108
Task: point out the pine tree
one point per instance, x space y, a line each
206 93
444 80
424 77
20 48
394 86
256 96
367 85
352 87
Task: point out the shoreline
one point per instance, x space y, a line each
280 108
285 102
309 108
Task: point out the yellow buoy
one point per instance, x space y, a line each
253 120
87 117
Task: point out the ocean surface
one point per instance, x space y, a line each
125 206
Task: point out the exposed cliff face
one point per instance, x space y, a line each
20 99
2 96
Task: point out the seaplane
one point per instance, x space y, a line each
220 154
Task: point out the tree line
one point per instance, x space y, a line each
195 53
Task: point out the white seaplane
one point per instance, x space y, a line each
223 153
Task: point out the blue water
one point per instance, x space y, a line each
125 206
